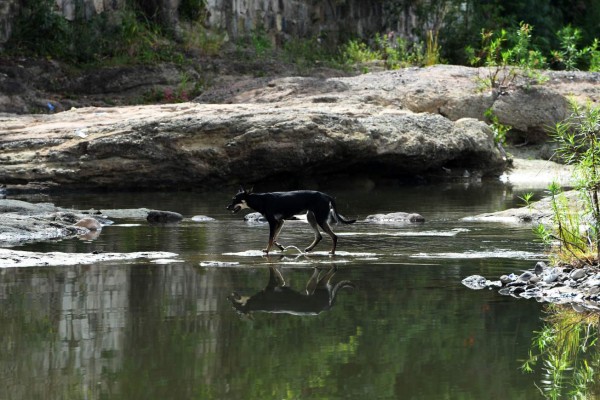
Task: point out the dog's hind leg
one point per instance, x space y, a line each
312 220
334 238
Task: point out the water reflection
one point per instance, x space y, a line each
278 298
163 331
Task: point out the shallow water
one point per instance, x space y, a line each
400 325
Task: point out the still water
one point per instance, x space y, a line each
400 325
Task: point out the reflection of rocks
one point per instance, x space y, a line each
278 298
394 218
579 287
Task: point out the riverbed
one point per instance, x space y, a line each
398 325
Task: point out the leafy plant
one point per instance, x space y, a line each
569 55
579 145
507 57
356 51
260 42
311 52
500 130
432 50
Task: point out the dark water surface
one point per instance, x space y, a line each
405 328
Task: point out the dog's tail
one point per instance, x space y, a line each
337 217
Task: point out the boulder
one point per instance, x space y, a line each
191 145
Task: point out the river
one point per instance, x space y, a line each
399 326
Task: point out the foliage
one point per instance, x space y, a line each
570 56
570 243
260 42
579 145
392 50
356 51
308 53
506 57
133 38
566 351
39 30
466 19
192 10
500 130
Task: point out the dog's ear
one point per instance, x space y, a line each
242 190
250 190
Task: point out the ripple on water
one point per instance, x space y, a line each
496 253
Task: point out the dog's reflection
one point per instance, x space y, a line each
276 297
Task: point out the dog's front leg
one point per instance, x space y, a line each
273 225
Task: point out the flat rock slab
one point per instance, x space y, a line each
15 258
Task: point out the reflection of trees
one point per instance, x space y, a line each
59 329
152 331
404 337
567 353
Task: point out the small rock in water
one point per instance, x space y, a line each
551 277
479 282
202 218
255 217
163 216
540 267
577 274
526 276
474 282
89 223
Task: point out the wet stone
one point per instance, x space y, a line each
558 285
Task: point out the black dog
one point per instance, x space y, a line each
278 206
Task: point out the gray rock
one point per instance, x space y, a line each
577 274
395 217
540 266
155 216
89 223
202 218
255 217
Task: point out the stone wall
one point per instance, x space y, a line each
277 18
8 9
295 18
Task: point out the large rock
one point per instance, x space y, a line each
452 91
190 145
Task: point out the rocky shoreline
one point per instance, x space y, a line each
563 285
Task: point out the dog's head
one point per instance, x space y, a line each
240 200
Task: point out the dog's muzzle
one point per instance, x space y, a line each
234 208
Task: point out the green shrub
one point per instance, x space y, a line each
507 56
